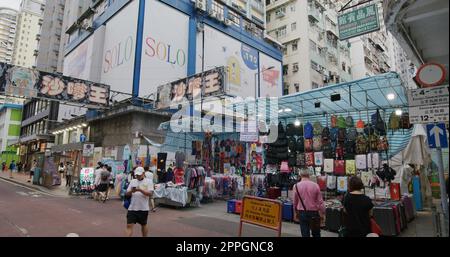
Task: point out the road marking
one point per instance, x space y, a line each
22 193
28 188
74 210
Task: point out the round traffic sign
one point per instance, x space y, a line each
431 74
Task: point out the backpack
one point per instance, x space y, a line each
327 150
342 135
360 126
299 131
341 122
290 129
300 145
309 131
292 145
378 123
350 149
404 121
352 134
301 160
394 121
361 144
317 128
326 133
333 121
349 122
308 145
373 142
104 177
334 134
339 152
383 144
317 144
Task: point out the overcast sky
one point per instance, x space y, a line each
15 4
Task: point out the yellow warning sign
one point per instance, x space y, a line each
261 212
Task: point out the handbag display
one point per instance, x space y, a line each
328 165
309 159
394 189
350 167
284 168
339 167
331 182
308 145
373 160
366 177
301 160
317 143
361 162
342 184
322 182
318 158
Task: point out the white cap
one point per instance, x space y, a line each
139 171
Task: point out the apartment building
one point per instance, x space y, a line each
27 34
50 43
8 22
252 9
313 55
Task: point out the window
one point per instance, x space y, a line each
286 89
285 51
285 69
295 67
297 87
343 66
281 32
292 7
314 85
280 12
312 46
294 26
314 66
294 46
268 17
350 70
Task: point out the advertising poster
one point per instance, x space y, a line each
165 51
271 80
87 178
240 60
88 150
119 49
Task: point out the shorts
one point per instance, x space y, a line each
137 217
102 188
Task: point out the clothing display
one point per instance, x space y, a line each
177 194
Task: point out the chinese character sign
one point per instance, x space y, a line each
359 22
23 82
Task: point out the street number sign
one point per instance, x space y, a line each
429 114
428 96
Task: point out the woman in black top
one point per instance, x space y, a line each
358 210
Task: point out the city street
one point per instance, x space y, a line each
25 212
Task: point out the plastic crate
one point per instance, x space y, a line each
238 208
231 206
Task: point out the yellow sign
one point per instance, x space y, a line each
262 212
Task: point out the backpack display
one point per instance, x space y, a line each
292 160
373 161
383 144
333 121
361 144
360 126
326 134
404 121
352 134
328 165
378 123
350 167
327 148
373 142
342 135
339 152
317 143
349 121
308 145
339 167
317 128
322 182
394 121
300 144
334 134
361 162
341 123
299 131
292 145
309 131
301 160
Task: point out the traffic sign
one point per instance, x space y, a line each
437 135
82 138
428 96
429 113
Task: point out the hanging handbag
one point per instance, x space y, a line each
342 184
328 165
318 158
284 168
350 167
339 167
309 159
314 223
361 162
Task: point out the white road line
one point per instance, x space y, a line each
28 188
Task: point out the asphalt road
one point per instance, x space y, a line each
25 212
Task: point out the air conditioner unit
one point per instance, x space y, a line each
201 5
87 25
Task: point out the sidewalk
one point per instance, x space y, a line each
22 179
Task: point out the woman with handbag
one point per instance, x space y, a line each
357 210
308 203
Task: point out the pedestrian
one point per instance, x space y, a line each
103 186
32 170
19 167
357 210
97 174
69 173
149 175
309 204
61 169
3 166
140 189
12 168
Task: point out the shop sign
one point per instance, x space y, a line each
261 212
209 83
30 83
429 114
358 22
88 150
428 96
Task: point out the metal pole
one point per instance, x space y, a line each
443 187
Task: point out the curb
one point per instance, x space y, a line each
32 187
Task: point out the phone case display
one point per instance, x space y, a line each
318 158
342 183
350 167
328 165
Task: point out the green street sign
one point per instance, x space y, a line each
358 22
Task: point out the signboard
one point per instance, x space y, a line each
428 96
22 82
358 22
82 138
437 135
87 179
209 83
88 150
261 212
429 114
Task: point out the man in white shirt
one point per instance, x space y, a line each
140 190
98 173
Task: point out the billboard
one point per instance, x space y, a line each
23 82
209 83
241 60
83 62
119 49
359 22
270 79
165 51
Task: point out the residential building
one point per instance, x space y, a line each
313 55
8 23
10 118
27 34
253 9
50 43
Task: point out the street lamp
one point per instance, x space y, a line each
257 89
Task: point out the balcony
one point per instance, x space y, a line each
36 53
38 37
314 14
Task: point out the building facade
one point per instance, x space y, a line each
10 119
27 34
8 23
313 55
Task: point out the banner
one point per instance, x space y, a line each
208 83
23 82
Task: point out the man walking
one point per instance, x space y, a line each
69 173
140 190
12 168
309 204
